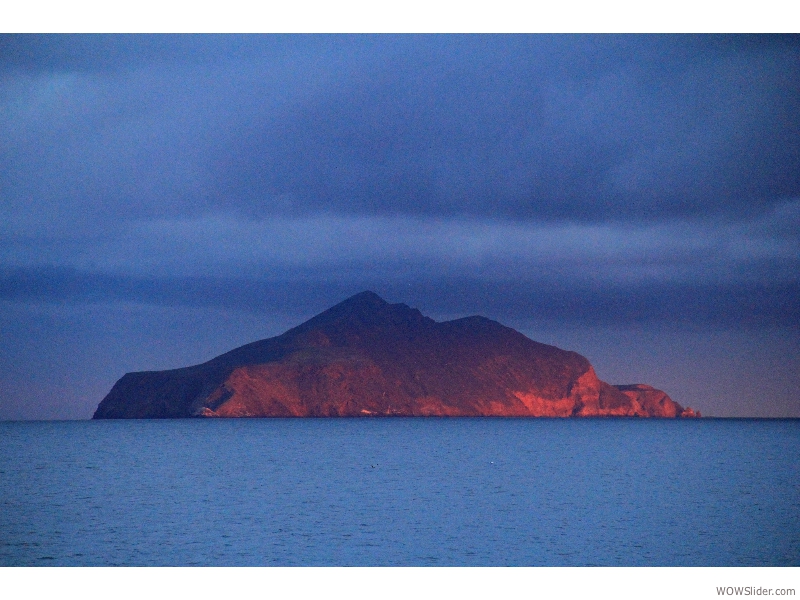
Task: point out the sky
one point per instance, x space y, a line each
636 199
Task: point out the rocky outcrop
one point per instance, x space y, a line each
653 402
366 357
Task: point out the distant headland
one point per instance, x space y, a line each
365 357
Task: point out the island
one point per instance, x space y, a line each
366 357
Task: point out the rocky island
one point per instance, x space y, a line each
366 357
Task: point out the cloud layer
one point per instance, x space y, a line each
521 127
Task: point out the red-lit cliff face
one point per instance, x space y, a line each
655 402
365 357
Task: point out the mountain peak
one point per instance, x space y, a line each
363 305
364 313
365 298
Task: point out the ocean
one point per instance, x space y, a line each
401 491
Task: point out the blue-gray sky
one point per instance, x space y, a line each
634 198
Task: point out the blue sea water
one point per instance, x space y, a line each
393 491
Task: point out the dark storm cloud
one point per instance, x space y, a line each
686 273
523 127
598 164
533 301
109 128
531 127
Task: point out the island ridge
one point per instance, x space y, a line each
365 357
